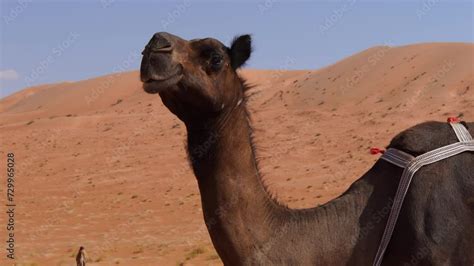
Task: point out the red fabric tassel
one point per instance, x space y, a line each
453 119
375 150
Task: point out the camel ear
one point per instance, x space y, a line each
240 50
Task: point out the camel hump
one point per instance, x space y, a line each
426 137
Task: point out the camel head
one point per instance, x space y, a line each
195 79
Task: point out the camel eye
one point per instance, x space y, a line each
216 61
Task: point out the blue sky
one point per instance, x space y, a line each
52 41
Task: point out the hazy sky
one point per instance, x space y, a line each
51 41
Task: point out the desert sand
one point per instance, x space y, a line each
101 164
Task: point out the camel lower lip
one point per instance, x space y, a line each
156 86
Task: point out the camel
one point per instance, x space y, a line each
197 81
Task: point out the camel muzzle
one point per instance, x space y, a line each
157 70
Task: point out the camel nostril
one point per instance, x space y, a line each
160 43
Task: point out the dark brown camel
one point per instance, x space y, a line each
197 81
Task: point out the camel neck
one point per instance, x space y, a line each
245 223
235 203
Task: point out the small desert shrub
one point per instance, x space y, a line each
194 253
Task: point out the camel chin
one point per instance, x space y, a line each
157 86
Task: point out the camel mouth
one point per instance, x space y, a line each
156 85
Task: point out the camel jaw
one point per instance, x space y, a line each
156 86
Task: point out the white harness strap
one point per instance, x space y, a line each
461 132
411 165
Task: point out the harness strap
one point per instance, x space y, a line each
461 132
411 165
397 157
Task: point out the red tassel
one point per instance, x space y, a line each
453 119
375 150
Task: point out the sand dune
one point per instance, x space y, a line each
102 164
